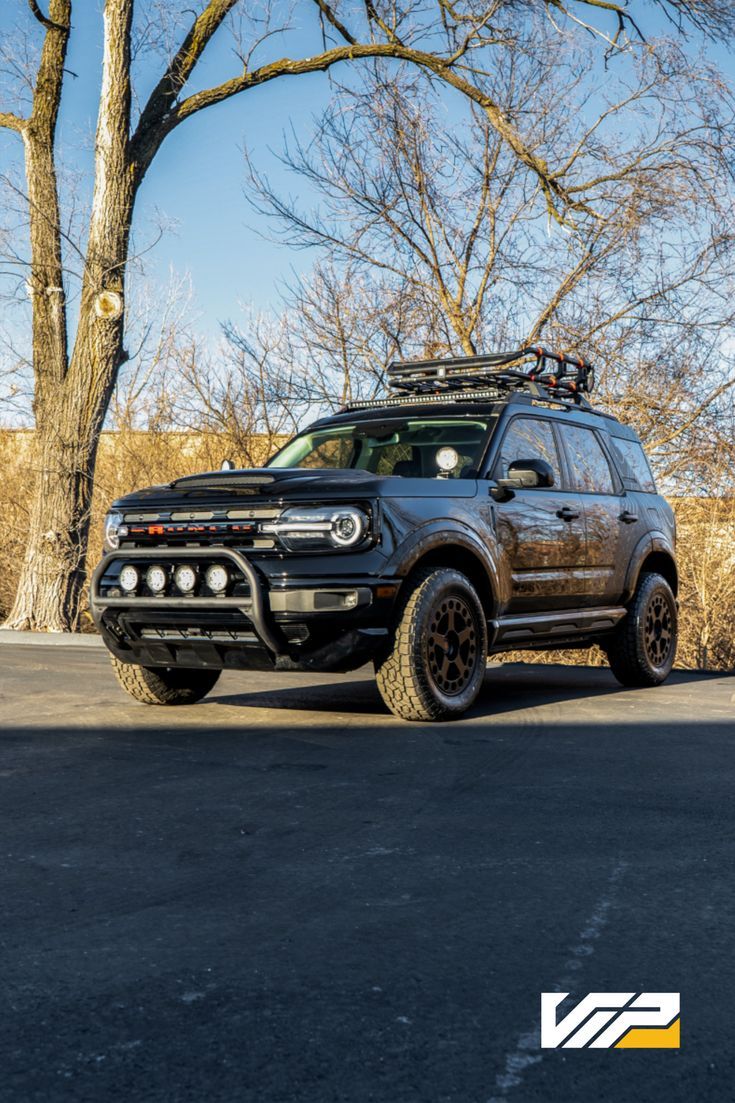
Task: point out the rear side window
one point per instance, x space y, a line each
631 459
528 438
588 467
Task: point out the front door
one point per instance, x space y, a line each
541 530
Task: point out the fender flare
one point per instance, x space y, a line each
654 541
439 535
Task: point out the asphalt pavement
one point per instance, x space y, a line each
285 894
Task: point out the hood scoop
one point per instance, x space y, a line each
225 479
277 479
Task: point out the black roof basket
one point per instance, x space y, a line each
553 375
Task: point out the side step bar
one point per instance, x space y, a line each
544 626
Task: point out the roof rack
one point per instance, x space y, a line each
555 377
552 371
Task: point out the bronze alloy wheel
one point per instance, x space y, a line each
658 630
642 649
451 646
435 667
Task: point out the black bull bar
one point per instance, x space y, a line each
254 606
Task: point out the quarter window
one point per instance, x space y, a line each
633 463
528 438
589 469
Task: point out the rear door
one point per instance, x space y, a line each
609 528
540 531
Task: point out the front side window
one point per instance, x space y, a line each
589 469
394 446
528 438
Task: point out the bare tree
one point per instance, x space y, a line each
244 395
74 378
436 235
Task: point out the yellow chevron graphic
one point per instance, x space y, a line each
651 1038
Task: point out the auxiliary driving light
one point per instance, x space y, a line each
185 578
129 578
217 578
156 579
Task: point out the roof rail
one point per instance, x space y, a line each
554 375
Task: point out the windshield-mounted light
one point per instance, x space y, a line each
324 528
115 529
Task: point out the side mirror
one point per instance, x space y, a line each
227 465
528 475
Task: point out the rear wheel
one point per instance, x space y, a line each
164 685
643 649
436 665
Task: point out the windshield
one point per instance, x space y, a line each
405 446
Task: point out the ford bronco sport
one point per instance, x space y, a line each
483 505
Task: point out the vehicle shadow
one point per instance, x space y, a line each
507 688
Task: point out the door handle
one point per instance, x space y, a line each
566 513
628 518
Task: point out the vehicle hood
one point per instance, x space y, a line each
288 483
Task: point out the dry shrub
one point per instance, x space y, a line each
130 459
15 491
706 554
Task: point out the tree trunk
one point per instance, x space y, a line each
70 409
50 591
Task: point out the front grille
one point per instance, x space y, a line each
200 528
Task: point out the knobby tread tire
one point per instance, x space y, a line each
402 677
164 685
626 651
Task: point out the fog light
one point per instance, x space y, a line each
129 578
185 578
156 579
217 578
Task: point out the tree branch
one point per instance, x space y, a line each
180 68
12 122
717 393
44 20
147 144
331 17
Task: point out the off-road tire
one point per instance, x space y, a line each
164 685
420 681
643 649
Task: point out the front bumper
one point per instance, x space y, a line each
281 623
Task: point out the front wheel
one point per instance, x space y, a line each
437 661
164 685
643 649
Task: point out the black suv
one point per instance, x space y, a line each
482 506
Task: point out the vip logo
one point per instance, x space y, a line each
605 1020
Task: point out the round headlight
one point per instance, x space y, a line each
308 529
129 578
185 578
348 527
217 578
156 579
114 529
